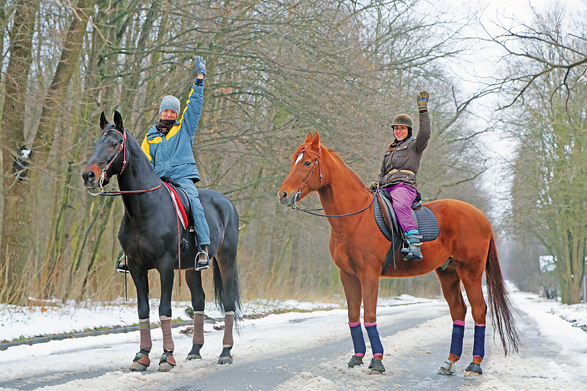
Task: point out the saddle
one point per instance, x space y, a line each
389 227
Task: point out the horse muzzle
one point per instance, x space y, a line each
289 200
91 179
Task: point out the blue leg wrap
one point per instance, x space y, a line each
376 345
456 343
479 341
358 341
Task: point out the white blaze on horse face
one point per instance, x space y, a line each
299 158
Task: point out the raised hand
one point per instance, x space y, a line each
422 100
200 65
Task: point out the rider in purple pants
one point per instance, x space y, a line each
399 168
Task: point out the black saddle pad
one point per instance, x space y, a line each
427 223
424 217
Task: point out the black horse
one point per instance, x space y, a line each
150 236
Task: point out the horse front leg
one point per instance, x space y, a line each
352 291
194 281
370 289
166 273
140 277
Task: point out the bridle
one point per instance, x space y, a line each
316 163
298 193
104 174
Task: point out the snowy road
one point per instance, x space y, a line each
309 351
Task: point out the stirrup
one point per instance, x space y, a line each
122 266
202 265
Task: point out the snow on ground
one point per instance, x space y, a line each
554 356
18 322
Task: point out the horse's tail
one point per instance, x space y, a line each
219 291
499 302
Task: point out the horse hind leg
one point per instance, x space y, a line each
227 340
473 286
194 281
227 293
451 289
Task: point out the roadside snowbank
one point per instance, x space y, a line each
17 322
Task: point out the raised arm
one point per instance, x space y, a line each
193 110
424 130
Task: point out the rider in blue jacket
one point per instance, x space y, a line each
168 145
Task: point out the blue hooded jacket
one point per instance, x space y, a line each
171 155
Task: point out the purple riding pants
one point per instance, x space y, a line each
403 197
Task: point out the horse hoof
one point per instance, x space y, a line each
354 361
376 367
165 367
447 368
167 362
193 357
224 360
138 367
473 369
141 362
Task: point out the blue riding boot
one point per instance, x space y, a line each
413 238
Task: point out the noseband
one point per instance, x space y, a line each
299 193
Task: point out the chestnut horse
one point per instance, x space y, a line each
359 249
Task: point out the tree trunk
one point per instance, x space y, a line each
16 218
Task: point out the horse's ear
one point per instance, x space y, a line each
103 121
309 138
316 141
118 121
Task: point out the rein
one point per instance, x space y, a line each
310 211
298 191
103 177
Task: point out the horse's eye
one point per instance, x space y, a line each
113 144
307 163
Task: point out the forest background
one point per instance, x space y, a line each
277 70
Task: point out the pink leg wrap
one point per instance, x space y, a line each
227 341
198 328
145 333
354 324
459 322
166 328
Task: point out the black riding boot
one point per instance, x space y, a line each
414 253
202 260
